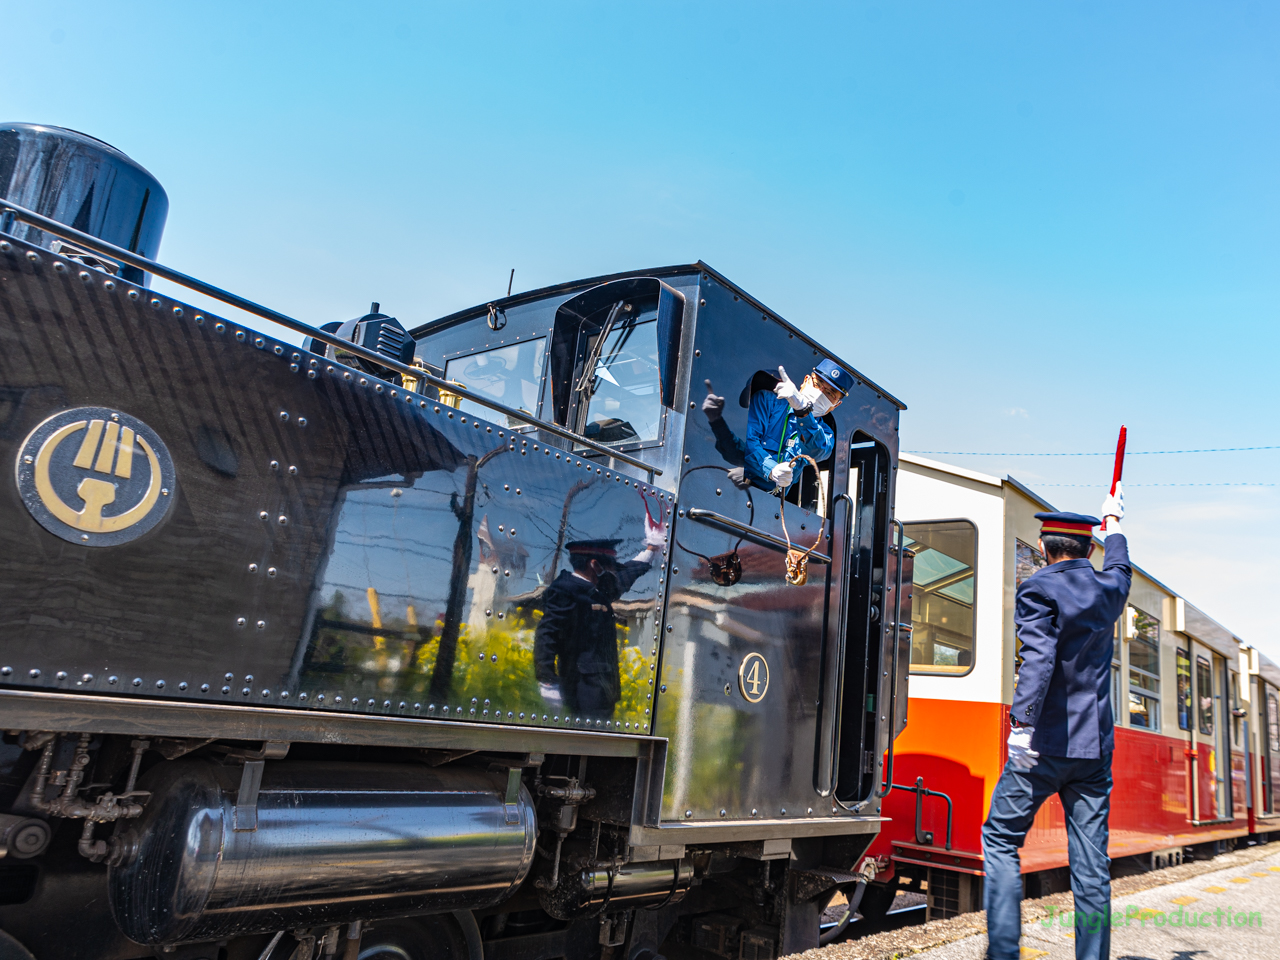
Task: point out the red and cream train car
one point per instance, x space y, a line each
1197 758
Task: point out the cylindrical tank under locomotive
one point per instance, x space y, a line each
343 667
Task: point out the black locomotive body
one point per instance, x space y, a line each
290 666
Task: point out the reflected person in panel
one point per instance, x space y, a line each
575 647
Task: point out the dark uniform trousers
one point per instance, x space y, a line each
1065 616
1084 786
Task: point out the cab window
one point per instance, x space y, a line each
511 375
942 605
621 382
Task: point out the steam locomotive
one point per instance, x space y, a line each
471 640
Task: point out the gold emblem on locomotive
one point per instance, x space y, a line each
95 476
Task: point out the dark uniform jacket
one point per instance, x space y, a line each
576 643
1065 618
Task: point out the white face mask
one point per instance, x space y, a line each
810 393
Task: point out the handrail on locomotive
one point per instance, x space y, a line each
132 259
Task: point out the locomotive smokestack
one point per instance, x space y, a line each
82 182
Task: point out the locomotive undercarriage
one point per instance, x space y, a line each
583 890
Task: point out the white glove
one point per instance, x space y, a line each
782 474
788 391
1020 753
713 406
1113 506
738 477
550 693
655 534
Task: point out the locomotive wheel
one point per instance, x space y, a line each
11 949
422 938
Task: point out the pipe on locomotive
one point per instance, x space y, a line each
102 247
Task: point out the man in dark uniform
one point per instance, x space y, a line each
1062 736
575 648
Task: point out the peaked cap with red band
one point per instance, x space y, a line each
1067 524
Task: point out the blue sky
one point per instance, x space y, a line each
1032 222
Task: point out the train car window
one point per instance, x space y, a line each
623 388
1204 695
1027 560
942 607
511 375
1272 741
1183 660
1144 672
1273 723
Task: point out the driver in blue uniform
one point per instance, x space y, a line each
1062 734
787 422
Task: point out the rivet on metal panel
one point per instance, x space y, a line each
226 690
279 352
240 335
177 312
182 685
431 708
271 571
284 694
723 812
663 688
338 700
311 374
87 678
754 811
110 680
346 375
320 698
364 381
134 294
417 707
33 674
275 464
5 246
110 285
302 697
241 621
204 688
302 421
59 266
61 674
228 676
137 681
262 514
155 303
262 624
473 711
377 388
159 684
217 327
244 692
84 275
282 520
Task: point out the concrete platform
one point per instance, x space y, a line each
1231 914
